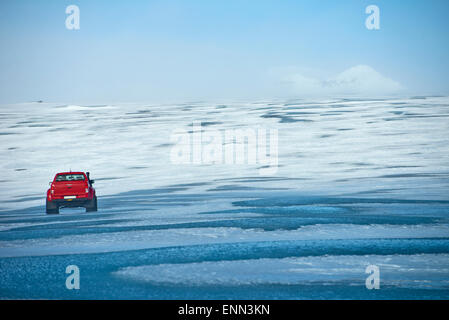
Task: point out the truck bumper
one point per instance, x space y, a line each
71 203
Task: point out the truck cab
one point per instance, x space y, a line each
71 189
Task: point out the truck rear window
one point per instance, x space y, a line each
70 177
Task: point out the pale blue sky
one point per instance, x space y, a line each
171 50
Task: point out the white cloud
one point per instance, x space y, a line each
358 80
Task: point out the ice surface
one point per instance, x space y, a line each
342 145
360 181
169 237
415 271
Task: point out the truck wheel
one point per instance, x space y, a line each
51 208
92 206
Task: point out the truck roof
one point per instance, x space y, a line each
70 172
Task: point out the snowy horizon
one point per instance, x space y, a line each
176 50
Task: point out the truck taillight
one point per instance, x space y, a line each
87 190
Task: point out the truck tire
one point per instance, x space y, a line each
51 208
92 206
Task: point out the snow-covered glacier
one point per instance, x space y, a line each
358 182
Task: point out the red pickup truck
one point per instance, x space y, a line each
71 189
